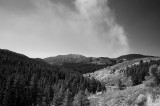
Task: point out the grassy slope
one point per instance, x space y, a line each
125 97
132 62
104 74
119 97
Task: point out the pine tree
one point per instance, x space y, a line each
7 93
34 90
47 94
81 99
58 97
87 92
158 74
119 84
67 98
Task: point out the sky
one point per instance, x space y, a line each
99 28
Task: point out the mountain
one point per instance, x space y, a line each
71 58
130 57
137 82
83 65
26 81
111 73
74 58
80 63
130 69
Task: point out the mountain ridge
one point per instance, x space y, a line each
76 58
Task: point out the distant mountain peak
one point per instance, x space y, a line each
133 56
72 56
76 58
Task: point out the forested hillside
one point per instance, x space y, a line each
85 65
33 82
132 56
82 67
132 83
139 73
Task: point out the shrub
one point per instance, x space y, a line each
154 78
151 82
153 70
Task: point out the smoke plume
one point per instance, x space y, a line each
100 28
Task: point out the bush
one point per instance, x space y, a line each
154 78
151 82
153 70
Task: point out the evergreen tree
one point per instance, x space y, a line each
33 82
34 90
7 93
87 92
81 99
119 84
58 97
67 99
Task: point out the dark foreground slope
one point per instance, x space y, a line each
27 82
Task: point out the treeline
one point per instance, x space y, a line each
32 82
83 68
138 73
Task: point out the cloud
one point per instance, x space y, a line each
108 36
54 28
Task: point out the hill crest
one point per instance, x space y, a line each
75 58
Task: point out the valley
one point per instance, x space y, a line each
77 79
